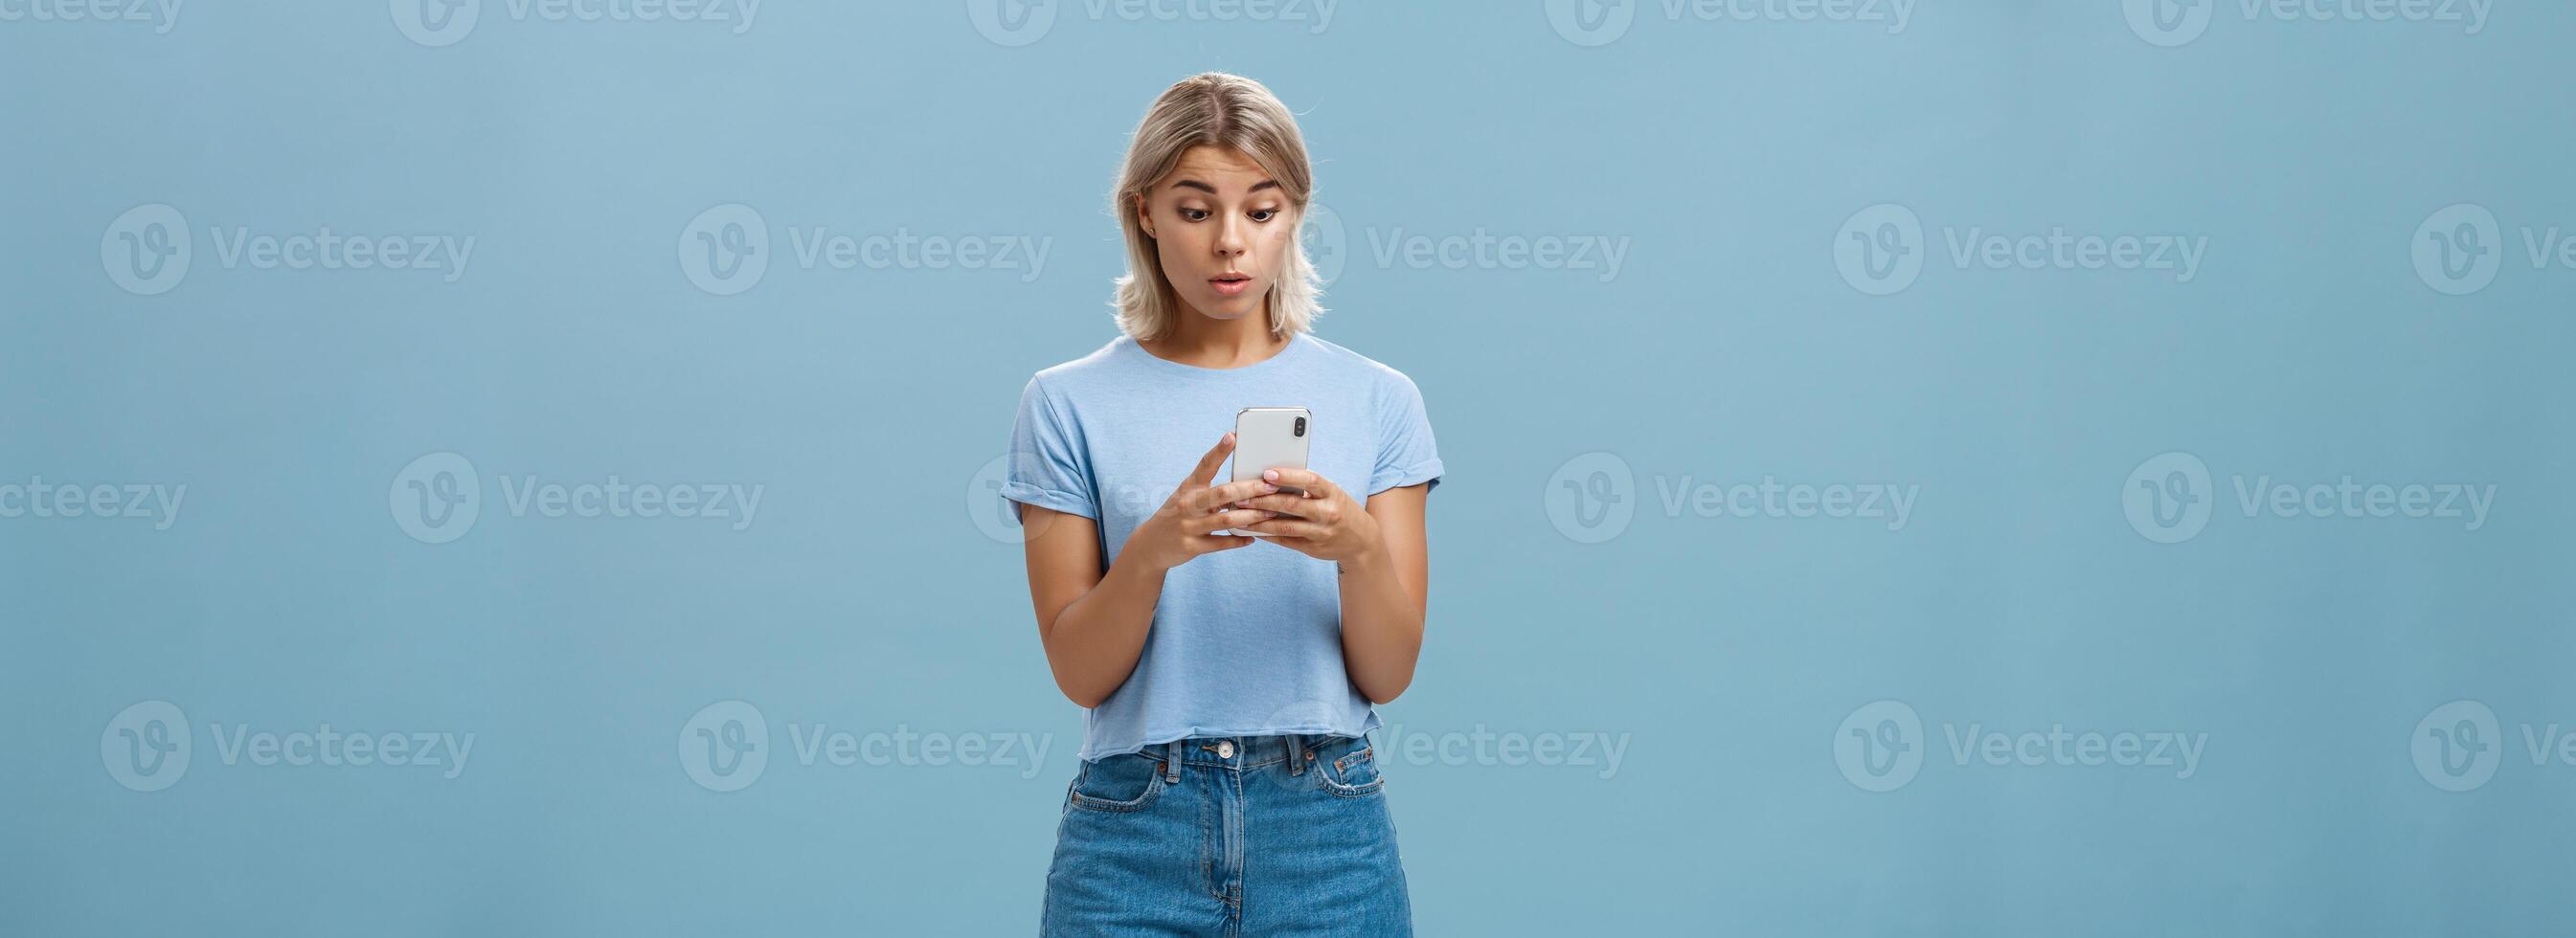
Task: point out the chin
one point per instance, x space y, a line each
1230 308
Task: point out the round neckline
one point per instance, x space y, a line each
1296 342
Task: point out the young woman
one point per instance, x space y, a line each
1228 784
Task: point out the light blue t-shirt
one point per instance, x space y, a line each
1245 642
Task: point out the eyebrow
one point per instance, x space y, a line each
1211 190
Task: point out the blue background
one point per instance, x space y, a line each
865 596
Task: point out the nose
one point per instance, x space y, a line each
1233 238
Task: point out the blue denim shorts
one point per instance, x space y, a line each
1232 836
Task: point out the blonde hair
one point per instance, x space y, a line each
1222 110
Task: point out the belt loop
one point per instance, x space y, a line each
1172 762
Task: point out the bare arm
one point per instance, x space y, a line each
1386 596
1384 558
1094 623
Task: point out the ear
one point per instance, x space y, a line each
1144 219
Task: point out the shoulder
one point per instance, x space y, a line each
1067 377
1385 383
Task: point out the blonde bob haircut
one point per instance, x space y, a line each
1221 110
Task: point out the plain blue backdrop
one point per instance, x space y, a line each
1803 699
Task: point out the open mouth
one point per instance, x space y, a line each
1230 284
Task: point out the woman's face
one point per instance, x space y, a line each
1222 228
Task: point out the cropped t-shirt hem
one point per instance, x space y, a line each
1309 729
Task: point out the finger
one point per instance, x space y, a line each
1205 472
1285 504
1315 486
1209 499
1202 524
1209 544
1288 527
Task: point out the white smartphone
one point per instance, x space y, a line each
1270 438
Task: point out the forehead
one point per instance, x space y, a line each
1226 168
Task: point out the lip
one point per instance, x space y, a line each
1235 287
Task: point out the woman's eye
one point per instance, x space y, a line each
1264 214
1194 214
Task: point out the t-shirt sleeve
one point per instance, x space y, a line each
1046 465
1406 454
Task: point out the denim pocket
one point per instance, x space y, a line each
1354 774
1118 783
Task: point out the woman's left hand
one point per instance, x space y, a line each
1324 523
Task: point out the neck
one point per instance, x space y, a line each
1207 342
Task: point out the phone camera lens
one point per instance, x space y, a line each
1301 427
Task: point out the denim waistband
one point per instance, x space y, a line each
1298 750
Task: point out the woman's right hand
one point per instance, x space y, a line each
1182 528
